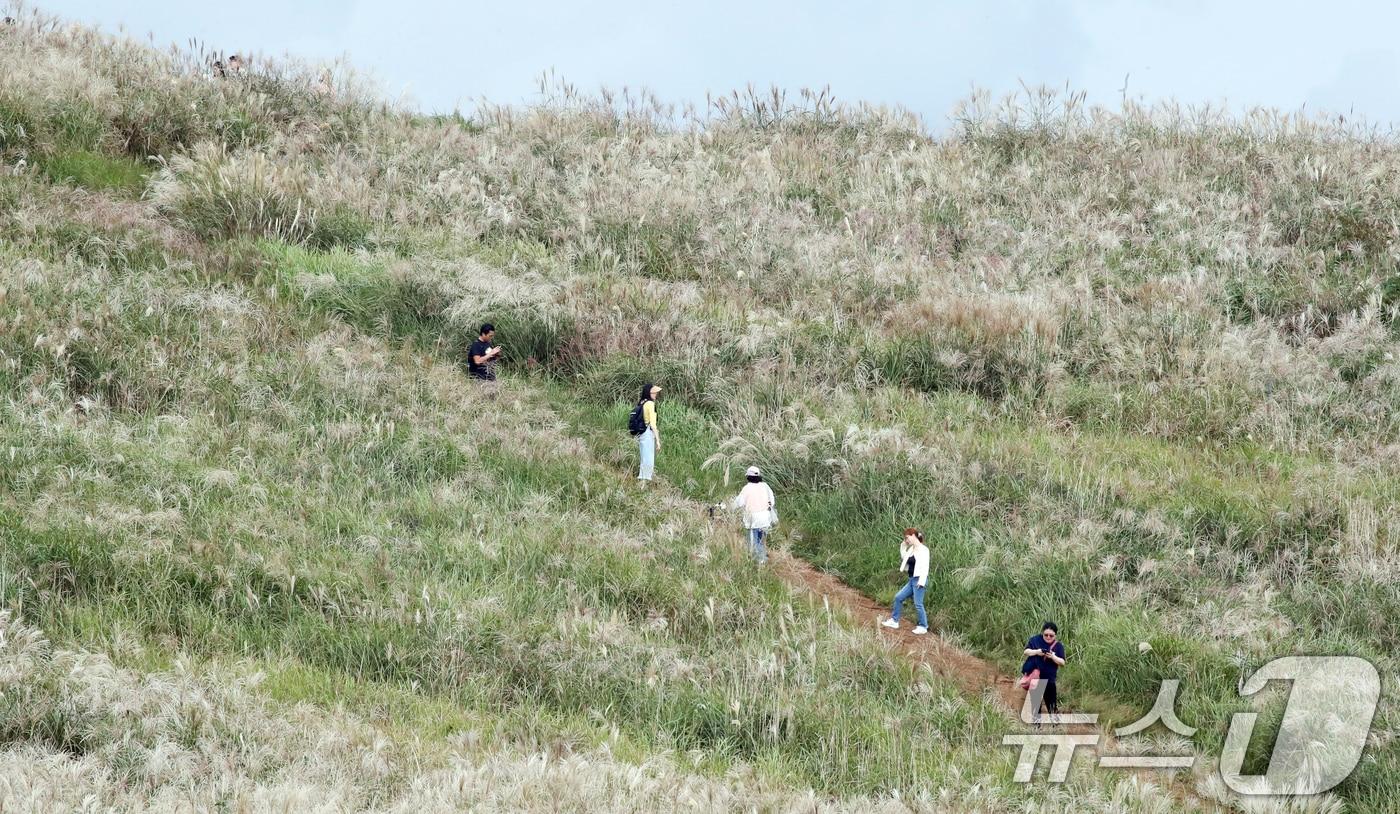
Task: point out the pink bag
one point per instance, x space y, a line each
1030 680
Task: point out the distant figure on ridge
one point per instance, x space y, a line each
758 503
913 561
1045 655
482 355
235 64
642 425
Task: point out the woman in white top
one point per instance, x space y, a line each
756 499
913 560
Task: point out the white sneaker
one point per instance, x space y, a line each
920 630
891 624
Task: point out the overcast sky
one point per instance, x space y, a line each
1340 56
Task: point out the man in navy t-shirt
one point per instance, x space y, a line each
481 356
1047 654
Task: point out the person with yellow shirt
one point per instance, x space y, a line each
642 424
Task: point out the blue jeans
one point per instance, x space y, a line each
646 443
760 551
910 590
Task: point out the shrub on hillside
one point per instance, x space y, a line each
95 171
217 194
660 251
992 345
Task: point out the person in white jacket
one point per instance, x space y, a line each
913 560
757 501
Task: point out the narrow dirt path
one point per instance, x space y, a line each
974 675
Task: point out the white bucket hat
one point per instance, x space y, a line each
752 471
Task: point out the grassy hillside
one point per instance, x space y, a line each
263 545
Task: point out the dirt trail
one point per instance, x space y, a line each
974 675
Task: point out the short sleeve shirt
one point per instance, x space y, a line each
1047 668
486 371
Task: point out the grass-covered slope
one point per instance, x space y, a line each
223 506
261 542
263 546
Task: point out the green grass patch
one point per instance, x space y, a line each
95 171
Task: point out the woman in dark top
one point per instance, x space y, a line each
1045 653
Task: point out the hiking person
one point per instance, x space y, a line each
757 501
642 424
481 356
1045 655
913 561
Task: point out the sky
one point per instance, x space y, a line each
1339 57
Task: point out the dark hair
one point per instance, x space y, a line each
487 328
1049 626
754 478
646 391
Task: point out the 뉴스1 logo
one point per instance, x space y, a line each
1326 721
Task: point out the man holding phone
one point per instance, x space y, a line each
481 356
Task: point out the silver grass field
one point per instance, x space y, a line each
265 547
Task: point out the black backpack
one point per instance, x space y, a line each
635 423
